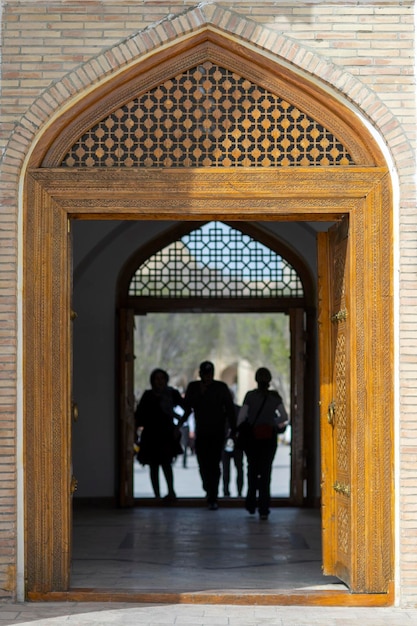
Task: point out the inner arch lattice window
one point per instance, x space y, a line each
216 261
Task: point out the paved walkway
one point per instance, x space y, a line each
125 614
87 614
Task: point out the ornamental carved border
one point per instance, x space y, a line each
56 195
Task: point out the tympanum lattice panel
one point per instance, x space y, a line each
216 261
207 116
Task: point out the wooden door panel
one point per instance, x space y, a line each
338 236
335 418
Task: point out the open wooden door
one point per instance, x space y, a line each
355 393
335 394
126 406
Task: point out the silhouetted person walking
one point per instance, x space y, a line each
212 404
264 410
159 442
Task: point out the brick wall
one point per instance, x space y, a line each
52 50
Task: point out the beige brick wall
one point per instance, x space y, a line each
365 49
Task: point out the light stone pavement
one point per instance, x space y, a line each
89 614
110 613
187 481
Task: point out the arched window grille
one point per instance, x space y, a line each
216 261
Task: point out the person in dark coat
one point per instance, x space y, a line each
264 410
160 436
212 404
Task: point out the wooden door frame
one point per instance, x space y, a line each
126 415
299 463
300 419
55 196
301 311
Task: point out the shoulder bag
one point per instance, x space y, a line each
245 430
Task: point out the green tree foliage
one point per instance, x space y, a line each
175 342
262 340
179 342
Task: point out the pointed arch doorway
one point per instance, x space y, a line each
225 268
340 177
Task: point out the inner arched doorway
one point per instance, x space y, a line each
225 268
324 167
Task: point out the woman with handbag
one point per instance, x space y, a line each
160 437
265 416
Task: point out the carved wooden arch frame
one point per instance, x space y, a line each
55 195
206 45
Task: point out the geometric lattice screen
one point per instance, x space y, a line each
216 261
207 116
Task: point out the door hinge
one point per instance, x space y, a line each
75 411
340 316
341 488
74 485
331 410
